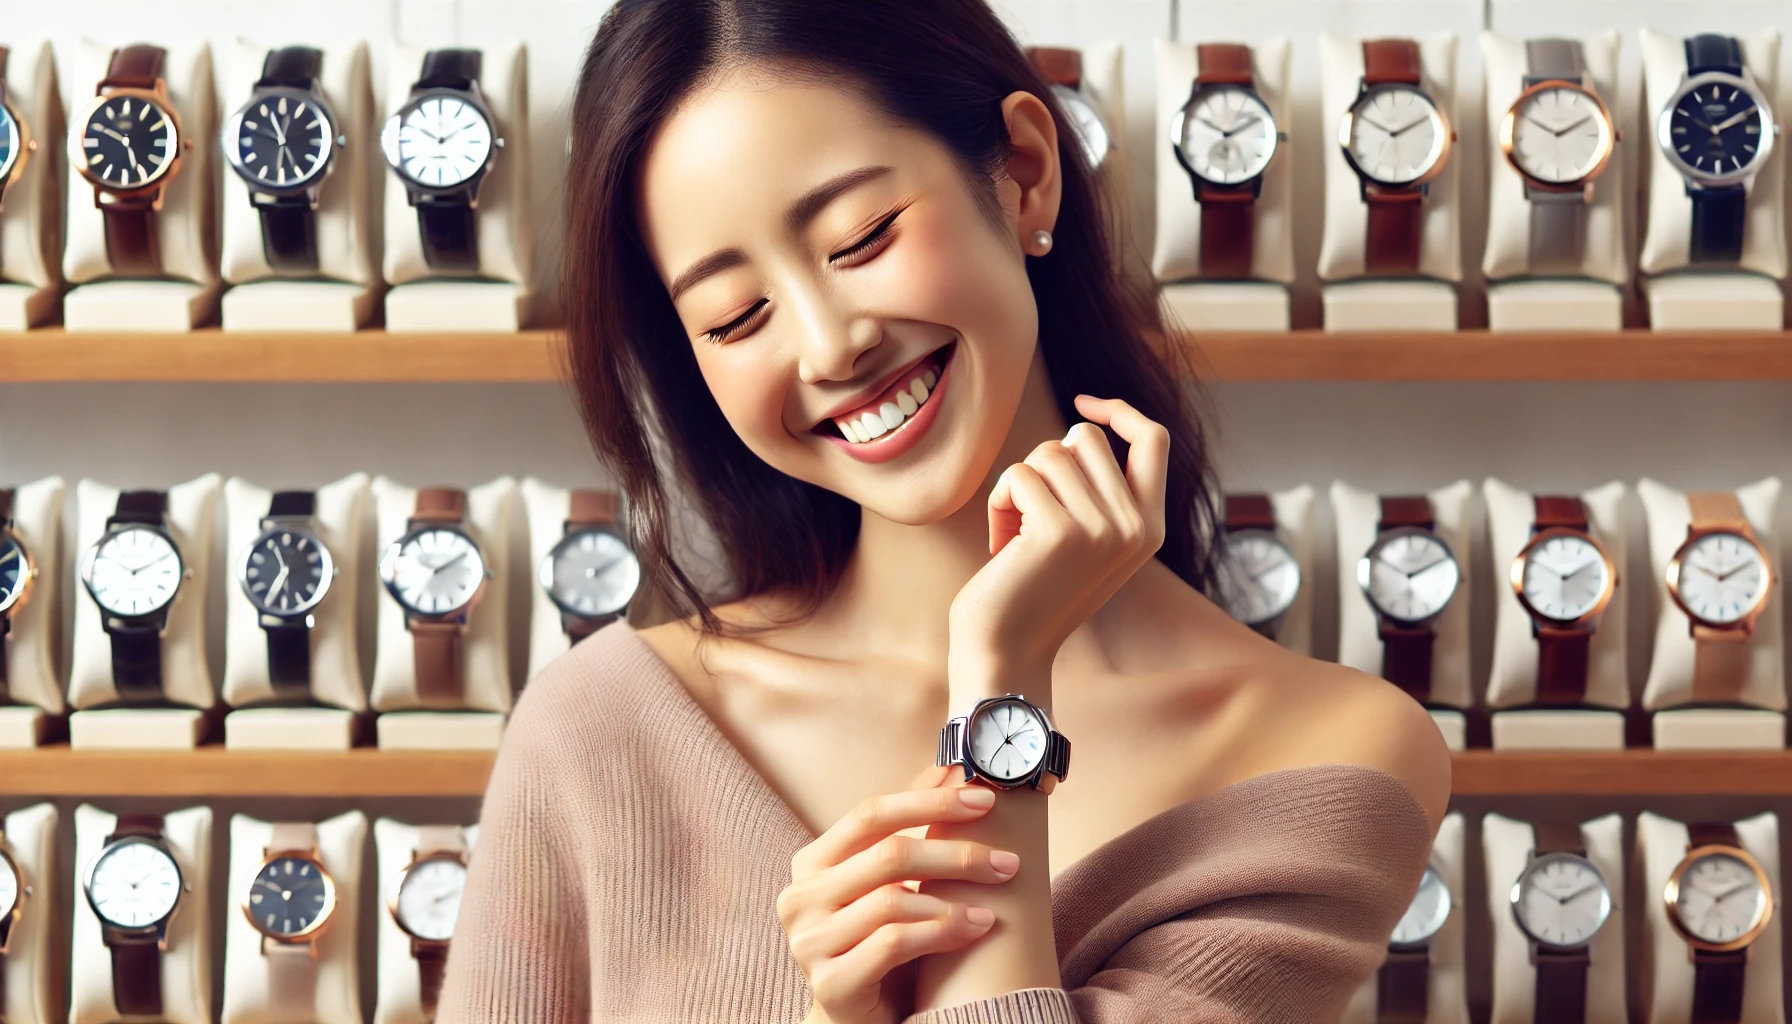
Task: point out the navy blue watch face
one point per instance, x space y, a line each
284 571
12 570
9 141
288 897
283 140
1716 128
128 142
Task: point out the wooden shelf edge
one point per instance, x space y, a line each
1622 773
58 771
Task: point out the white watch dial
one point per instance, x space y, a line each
1396 134
1722 578
134 571
1564 577
1561 900
1409 576
1007 741
1426 915
437 571
1085 120
1258 577
1719 899
1559 134
134 884
9 889
429 898
1228 135
591 573
441 142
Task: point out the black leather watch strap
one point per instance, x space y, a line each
293 66
1719 217
450 69
137 662
149 507
289 234
1712 52
294 504
289 659
450 232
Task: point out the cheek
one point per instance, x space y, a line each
955 272
749 389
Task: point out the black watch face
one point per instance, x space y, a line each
286 572
591 573
128 142
15 569
1716 128
280 140
289 897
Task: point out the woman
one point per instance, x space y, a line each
839 254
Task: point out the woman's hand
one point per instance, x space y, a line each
853 924
1067 529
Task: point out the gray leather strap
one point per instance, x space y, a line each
1558 219
1553 60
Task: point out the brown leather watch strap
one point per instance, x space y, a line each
1711 833
1403 988
1396 230
1412 510
1561 986
1249 512
136 974
148 826
6 503
441 839
440 505
131 245
1406 651
1058 65
1718 983
1388 61
1228 231
134 67
1562 651
1558 837
593 508
293 836
1223 64
1565 512
436 650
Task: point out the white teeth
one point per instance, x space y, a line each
906 402
873 425
919 390
892 416
929 378
889 415
851 429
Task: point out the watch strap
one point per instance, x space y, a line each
6 501
5 55
1408 510
450 69
439 505
289 234
1406 650
1565 512
1228 230
296 67
1558 239
441 839
148 507
432 962
292 505
1390 61
136 661
1562 651
592 508
289 658
1720 655
293 836
436 652
1396 230
1223 64
136 973
1558 837
449 231
1718 983
1058 65
1403 987
1711 833
1719 219
1554 60
1248 512
7 494
292 979
133 67
1718 510
1561 985
132 248
1712 52
146 826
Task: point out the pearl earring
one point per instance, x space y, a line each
1042 242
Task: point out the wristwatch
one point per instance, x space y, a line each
1260 576
16 143
129 146
1409 576
1721 577
1063 70
17 571
1403 986
1560 902
1719 900
1559 136
425 902
13 893
1564 579
437 574
291 901
281 143
1717 130
134 572
591 574
1224 137
1396 140
1006 742
285 573
440 144
135 886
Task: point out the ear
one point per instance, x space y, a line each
1035 183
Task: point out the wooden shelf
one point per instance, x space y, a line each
1623 773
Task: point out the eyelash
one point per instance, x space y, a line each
877 236
735 326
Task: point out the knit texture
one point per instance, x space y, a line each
630 859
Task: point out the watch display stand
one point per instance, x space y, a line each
137 729
31 646
1702 301
1718 729
496 297
186 679
23 727
341 295
33 984
1294 522
1454 727
400 996
1667 238
1356 513
1561 305
1505 846
1389 305
336 998
548 507
186 963
183 297
31 223
335 662
1229 305
1447 995
1666 964
439 730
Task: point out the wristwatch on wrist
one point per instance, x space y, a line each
17 572
1006 742
128 144
425 902
437 574
1224 137
1721 577
441 144
1559 136
1564 579
1719 900
1396 140
16 143
285 573
291 901
1259 576
135 886
1560 902
1403 986
591 574
281 143
1409 576
1717 130
1063 70
13 893
134 573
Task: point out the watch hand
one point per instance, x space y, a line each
1407 128
1571 127
1578 893
1734 571
117 135
1377 124
438 569
1242 125
1210 124
11 553
1731 891
1731 121
279 581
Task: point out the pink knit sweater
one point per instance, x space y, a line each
629 861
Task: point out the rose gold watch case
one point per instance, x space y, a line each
1591 619
26 145
154 188
388 575
308 935
397 886
1609 144
1744 625
1671 894
1446 140
13 914
22 596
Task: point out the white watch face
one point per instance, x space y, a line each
1258 577
1559 134
134 884
591 573
1561 900
9 889
436 571
1722 578
429 898
1719 899
1091 130
1426 915
440 142
1396 136
1007 741
134 571
1564 577
1228 135
1409 575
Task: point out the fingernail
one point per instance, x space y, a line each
1004 863
982 917
976 796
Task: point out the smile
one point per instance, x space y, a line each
893 420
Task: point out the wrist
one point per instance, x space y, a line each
975 673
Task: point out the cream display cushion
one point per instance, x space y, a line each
1294 521
547 507
1447 996
400 987
32 993
31 222
30 647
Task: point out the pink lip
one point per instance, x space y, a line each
905 436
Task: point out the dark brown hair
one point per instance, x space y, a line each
940 66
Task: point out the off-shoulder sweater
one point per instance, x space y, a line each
630 859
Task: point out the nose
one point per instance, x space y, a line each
832 340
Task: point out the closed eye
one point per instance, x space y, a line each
738 324
873 240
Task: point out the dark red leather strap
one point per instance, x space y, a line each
1249 512
149 826
1058 65
1222 64
1389 61
1558 837
1403 988
136 975
1406 658
1712 833
432 958
593 508
1406 511
131 245
1718 983
1396 230
1566 512
134 67
1228 229
1562 659
1561 986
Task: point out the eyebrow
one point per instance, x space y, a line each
801 212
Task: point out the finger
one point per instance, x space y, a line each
893 945
1096 457
1021 494
876 818
901 858
1148 457
1058 467
932 777
854 923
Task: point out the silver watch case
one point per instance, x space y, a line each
158 927
1365 565
388 573
1664 134
157 614
327 565
1180 118
544 574
472 97
1053 767
1533 864
231 135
